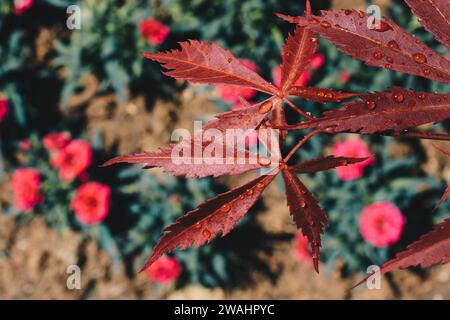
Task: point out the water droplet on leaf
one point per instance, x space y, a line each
419 58
206 233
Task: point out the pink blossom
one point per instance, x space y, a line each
154 31
344 76
20 6
381 224
231 93
25 145
72 160
56 141
356 148
302 250
4 108
164 270
91 202
317 61
25 184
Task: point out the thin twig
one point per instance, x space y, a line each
300 143
301 112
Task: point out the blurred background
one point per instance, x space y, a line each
71 99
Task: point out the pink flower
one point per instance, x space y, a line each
344 76
72 160
356 148
302 251
164 270
20 6
25 145
231 93
4 108
56 141
25 184
91 202
154 31
381 224
303 80
317 61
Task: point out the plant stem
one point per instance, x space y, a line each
301 112
300 143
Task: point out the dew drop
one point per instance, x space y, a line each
421 96
226 208
383 27
198 225
371 105
325 24
206 233
302 203
393 45
388 66
419 58
378 55
241 197
389 59
398 97
249 192
264 162
265 107
426 72
329 95
260 185
321 94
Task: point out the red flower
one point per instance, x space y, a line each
317 61
231 93
353 147
72 160
154 31
303 80
20 6
4 108
26 183
164 270
91 202
344 76
381 224
303 252
55 141
25 145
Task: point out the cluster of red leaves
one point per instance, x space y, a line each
388 113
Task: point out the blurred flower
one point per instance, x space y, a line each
303 79
231 93
164 270
154 31
317 61
25 184
20 6
25 145
91 202
72 160
55 141
381 224
353 147
4 108
302 251
344 76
